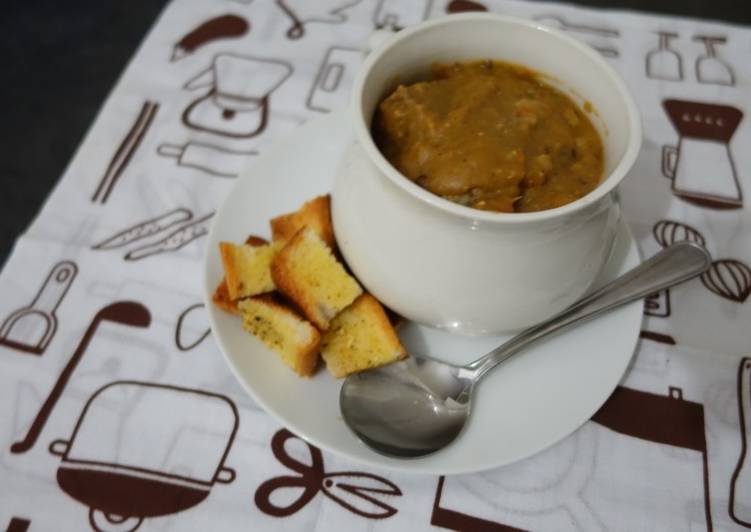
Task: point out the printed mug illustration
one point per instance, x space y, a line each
18 524
663 62
192 327
739 505
463 6
213 160
331 86
302 12
398 14
127 313
701 166
604 47
125 475
729 279
237 103
358 492
125 152
221 27
180 237
668 420
709 67
31 328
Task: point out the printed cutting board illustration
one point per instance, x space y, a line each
118 412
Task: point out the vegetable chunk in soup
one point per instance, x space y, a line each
490 135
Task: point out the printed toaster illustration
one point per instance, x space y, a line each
237 103
142 450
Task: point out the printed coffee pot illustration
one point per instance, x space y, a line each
144 450
740 483
701 167
237 104
31 328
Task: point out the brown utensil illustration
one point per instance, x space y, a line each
557 21
125 151
657 337
664 63
104 464
175 240
145 229
462 6
739 505
31 328
222 27
358 492
709 67
398 14
214 160
123 312
729 279
705 131
186 337
18 524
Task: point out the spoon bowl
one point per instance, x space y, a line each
420 405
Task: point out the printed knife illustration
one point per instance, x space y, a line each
222 27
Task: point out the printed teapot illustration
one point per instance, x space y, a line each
237 104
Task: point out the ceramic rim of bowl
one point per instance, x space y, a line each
366 142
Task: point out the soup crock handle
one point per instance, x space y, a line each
225 475
59 447
669 160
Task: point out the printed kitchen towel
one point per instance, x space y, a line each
117 411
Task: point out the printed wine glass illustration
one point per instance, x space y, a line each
397 14
663 62
701 166
709 67
31 328
124 474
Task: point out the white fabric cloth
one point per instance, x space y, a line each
159 433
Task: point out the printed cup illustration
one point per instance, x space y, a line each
143 450
237 103
31 328
331 87
398 14
740 483
663 62
701 166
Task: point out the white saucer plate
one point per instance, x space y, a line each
525 406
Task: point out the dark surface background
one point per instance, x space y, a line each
60 60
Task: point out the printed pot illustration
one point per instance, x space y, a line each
145 450
701 166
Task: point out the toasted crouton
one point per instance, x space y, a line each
360 338
306 271
315 214
246 268
282 330
221 296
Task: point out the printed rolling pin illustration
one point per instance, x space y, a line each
222 27
146 229
301 12
124 477
359 492
330 89
398 14
740 482
122 312
237 103
31 328
705 131
709 67
125 152
220 162
729 279
177 239
663 62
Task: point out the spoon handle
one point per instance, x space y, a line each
673 265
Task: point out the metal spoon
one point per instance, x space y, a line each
420 405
